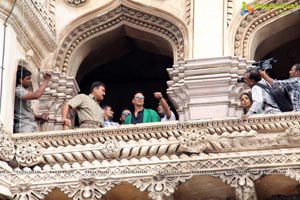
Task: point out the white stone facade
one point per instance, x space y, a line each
210 153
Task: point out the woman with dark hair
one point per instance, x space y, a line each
246 102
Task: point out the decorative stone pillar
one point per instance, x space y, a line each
206 88
60 89
7 153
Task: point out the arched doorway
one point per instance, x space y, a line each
277 186
101 42
126 63
281 42
204 187
270 33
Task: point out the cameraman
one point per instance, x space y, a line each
292 84
262 101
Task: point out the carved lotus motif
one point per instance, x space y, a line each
88 189
194 141
26 192
28 154
293 131
110 147
7 149
160 185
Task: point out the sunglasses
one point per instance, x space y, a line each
139 97
126 113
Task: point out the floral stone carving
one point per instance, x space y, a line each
28 154
160 185
110 147
25 192
88 188
7 149
194 141
243 182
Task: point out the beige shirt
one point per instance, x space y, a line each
23 114
87 109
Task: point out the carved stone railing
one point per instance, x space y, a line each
153 157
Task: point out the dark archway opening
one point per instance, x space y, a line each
138 66
286 55
282 42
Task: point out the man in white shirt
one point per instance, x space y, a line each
263 102
163 108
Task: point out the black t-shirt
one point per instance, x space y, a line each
138 118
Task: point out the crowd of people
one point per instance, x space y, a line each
91 115
87 107
260 100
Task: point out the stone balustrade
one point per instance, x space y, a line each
154 157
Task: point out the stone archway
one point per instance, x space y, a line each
263 26
151 30
204 187
277 186
125 191
126 63
267 34
78 43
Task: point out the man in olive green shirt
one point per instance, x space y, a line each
88 109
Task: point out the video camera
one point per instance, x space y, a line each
264 64
260 65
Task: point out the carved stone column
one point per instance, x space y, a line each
60 89
7 153
206 88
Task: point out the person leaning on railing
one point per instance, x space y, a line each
263 102
88 109
141 114
246 102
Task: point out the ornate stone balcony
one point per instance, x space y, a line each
234 159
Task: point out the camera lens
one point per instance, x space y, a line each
241 79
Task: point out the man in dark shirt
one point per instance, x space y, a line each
141 114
